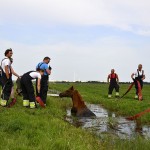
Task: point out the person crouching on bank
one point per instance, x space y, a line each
28 89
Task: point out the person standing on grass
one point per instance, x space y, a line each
138 76
6 77
0 79
45 78
28 88
12 95
0 75
113 81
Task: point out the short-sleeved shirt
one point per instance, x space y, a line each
6 62
35 75
140 73
44 66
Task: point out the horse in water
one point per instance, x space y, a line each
79 108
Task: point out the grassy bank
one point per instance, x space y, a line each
42 129
46 129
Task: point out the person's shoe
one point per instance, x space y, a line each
3 103
109 96
32 104
25 103
117 94
136 97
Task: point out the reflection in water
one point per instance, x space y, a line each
53 95
107 122
52 92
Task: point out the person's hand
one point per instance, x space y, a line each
50 68
38 94
8 79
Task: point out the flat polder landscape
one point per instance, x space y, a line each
48 128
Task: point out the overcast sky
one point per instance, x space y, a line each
85 39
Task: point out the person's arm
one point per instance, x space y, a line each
7 71
108 79
14 73
117 78
132 75
143 75
48 71
38 85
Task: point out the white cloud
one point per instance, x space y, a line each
90 61
124 14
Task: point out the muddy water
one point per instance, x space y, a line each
109 123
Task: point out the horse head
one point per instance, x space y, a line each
67 93
79 108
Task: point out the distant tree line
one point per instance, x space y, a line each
99 82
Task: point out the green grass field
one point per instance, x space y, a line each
96 93
46 129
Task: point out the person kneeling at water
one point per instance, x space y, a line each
28 89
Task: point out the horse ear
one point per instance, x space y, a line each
72 88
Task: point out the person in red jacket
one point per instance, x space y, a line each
113 81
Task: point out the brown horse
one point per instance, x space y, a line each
79 108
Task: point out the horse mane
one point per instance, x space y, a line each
79 101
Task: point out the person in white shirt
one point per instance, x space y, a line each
28 89
138 76
6 77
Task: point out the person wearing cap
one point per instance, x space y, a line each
113 81
28 88
45 78
6 78
138 76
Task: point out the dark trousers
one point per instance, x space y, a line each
113 86
0 80
44 88
136 86
27 88
6 87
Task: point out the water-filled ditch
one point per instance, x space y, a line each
109 123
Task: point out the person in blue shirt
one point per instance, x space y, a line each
45 78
